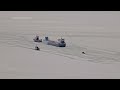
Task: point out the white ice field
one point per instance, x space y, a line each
95 33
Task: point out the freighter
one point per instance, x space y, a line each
59 43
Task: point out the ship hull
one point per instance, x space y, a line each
54 43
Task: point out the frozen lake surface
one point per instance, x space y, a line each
95 33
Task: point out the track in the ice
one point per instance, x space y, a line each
71 51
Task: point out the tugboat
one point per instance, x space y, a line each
36 39
37 48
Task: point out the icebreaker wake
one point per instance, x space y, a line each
70 51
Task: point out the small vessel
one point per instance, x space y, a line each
37 48
36 39
83 52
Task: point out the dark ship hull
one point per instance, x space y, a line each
37 40
57 44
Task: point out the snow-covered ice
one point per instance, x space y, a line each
95 33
